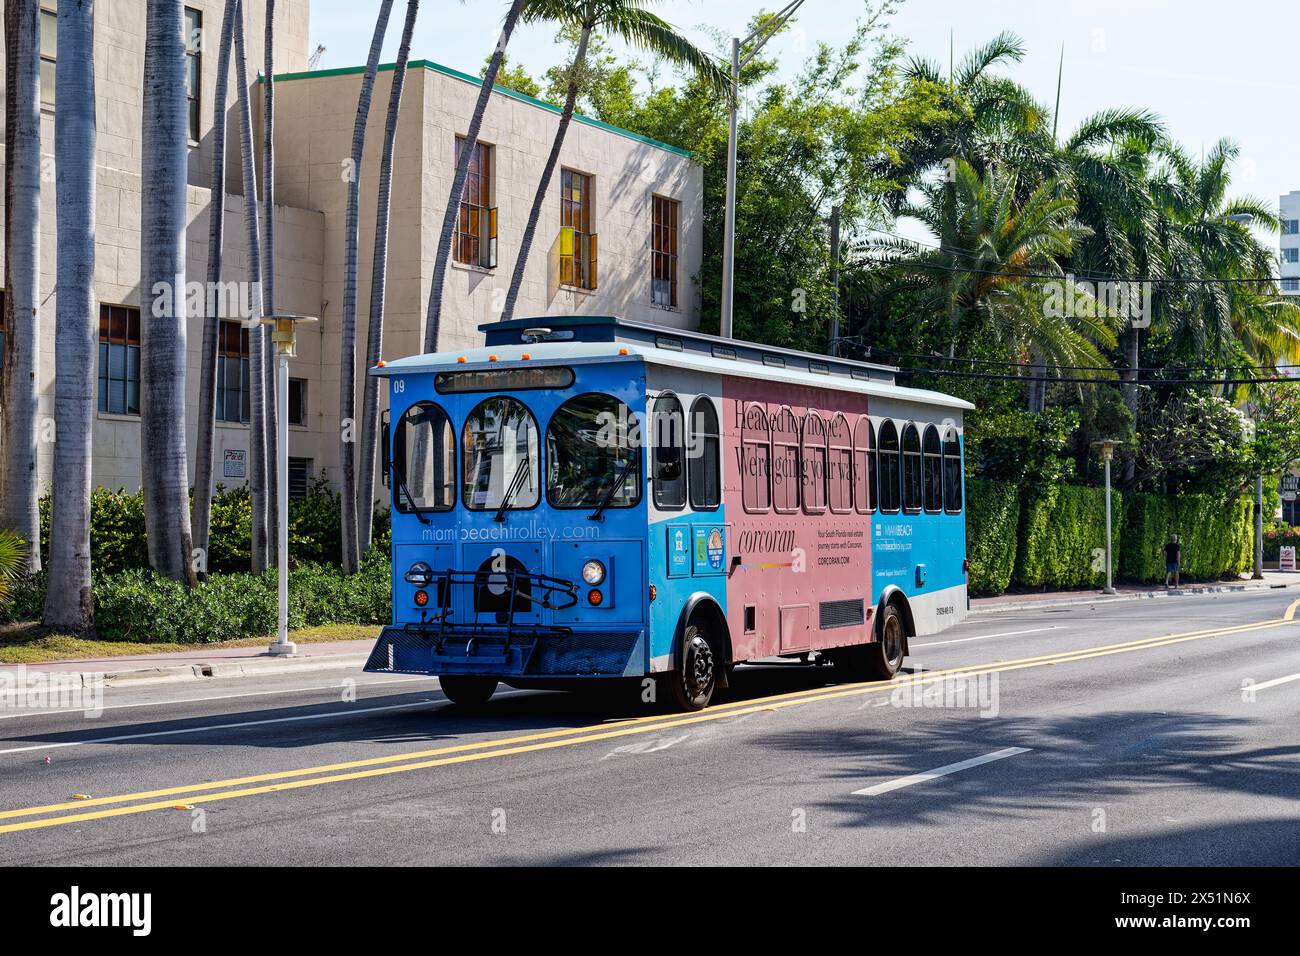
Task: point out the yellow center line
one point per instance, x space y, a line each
502 747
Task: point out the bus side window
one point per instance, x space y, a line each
840 466
785 462
669 474
932 471
814 463
889 467
911 468
864 467
756 464
705 458
952 473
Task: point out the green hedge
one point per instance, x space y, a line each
140 605
1217 539
992 525
1063 537
118 541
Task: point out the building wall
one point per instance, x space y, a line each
1290 208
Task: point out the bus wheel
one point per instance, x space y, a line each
467 690
691 686
885 656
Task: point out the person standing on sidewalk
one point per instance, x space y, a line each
1173 560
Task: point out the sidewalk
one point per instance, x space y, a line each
1126 592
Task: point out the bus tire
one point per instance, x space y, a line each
884 656
467 689
691 684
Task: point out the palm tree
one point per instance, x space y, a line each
271 409
988 241
348 345
433 320
70 606
19 490
163 162
631 22
257 482
378 272
13 561
203 465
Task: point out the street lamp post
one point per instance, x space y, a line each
755 42
1258 574
1107 453
285 337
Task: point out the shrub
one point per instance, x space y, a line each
1063 536
992 522
1217 539
12 553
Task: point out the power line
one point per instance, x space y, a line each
952 373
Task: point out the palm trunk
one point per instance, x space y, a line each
203 465
433 321
348 344
379 268
1132 347
19 403
543 187
270 414
1038 381
257 429
70 606
163 162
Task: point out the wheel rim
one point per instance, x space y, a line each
893 640
697 675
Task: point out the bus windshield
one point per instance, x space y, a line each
590 442
499 454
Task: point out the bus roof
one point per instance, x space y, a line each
587 353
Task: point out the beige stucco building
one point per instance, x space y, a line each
639 201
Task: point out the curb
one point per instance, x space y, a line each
213 670
1099 598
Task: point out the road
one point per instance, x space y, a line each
1144 732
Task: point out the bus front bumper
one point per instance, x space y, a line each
415 650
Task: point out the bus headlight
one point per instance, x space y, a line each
420 574
593 572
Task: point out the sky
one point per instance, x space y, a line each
1208 69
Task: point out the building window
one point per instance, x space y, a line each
1291 255
234 392
705 456
475 242
1291 227
193 68
297 401
839 466
952 473
299 477
669 431
663 244
119 360
785 462
814 464
49 52
756 461
1291 285
889 467
577 241
864 467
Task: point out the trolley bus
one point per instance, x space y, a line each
586 498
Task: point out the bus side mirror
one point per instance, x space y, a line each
386 456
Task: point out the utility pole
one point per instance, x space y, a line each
754 42
835 281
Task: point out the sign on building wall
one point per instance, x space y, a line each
233 464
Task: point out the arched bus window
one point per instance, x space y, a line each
499 456
592 454
668 473
890 467
911 468
839 465
756 461
705 456
814 463
785 462
864 466
952 473
424 460
932 470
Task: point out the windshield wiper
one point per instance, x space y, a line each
609 495
516 483
410 498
